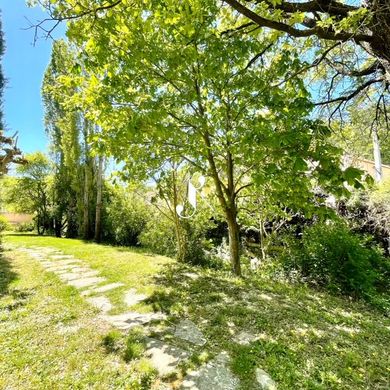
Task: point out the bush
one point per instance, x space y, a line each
159 236
330 255
368 211
126 217
25 227
4 225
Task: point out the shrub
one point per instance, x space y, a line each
126 217
4 225
159 236
368 211
330 255
25 227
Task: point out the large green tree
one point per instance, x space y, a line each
69 134
163 84
350 38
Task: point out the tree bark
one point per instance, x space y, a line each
86 203
99 185
377 154
181 242
234 241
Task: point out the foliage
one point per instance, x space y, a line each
159 236
69 132
30 191
4 225
330 255
25 227
354 132
191 99
127 215
134 345
367 211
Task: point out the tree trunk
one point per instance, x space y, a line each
99 185
58 225
380 29
181 242
377 154
86 203
234 241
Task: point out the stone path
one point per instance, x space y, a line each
214 375
165 357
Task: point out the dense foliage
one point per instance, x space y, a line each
330 255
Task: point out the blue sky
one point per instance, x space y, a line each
24 65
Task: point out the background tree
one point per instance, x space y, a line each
30 191
69 132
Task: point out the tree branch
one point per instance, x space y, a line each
345 98
279 26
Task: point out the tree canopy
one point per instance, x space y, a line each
164 85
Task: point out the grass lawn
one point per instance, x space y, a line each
49 336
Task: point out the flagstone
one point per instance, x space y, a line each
132 298
86 282
102 303
61 257
130 319
188 331
107 287
214 375
77 275
164 357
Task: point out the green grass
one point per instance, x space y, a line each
49 336
306 339
135 268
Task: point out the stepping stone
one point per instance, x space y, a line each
188 331
132 298
46 264
264 380
86 282
164 357
72 263
245 338
214 375
59 267
35 255
81 269
59 257
102 289
101 303
77 275
191 275
129 320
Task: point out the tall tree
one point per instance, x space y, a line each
69 132
163 84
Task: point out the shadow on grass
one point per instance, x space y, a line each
13 298
7 275
301 337
14 234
